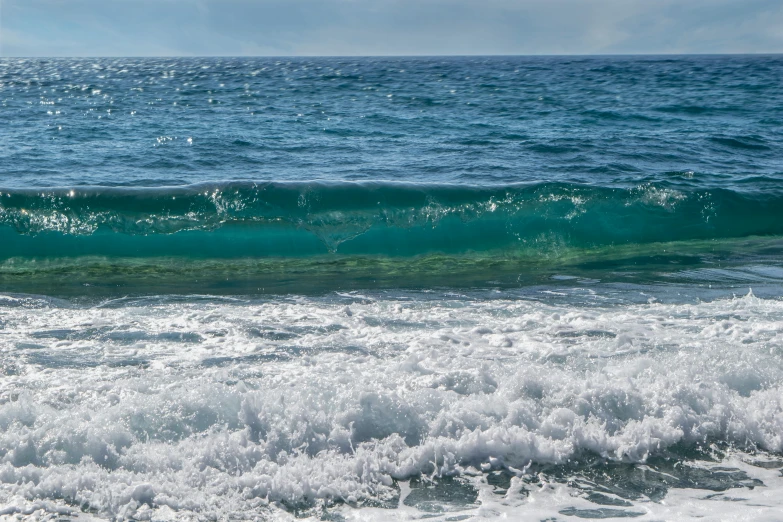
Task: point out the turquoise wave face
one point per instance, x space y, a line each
393 219
252 237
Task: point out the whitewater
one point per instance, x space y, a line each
477 288
162 407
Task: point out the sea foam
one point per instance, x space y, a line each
157 407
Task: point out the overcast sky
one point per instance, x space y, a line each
387 27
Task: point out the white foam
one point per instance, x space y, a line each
176 408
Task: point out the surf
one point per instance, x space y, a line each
234 220
321 236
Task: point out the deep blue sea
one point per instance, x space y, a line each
453 288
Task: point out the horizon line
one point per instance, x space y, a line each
499 55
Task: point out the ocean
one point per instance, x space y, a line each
463 288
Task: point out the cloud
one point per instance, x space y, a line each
386 27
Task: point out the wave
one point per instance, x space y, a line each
235 220
317 237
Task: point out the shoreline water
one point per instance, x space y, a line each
608 399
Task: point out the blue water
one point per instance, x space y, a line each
685 122
539 288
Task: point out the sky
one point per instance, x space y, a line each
387 27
